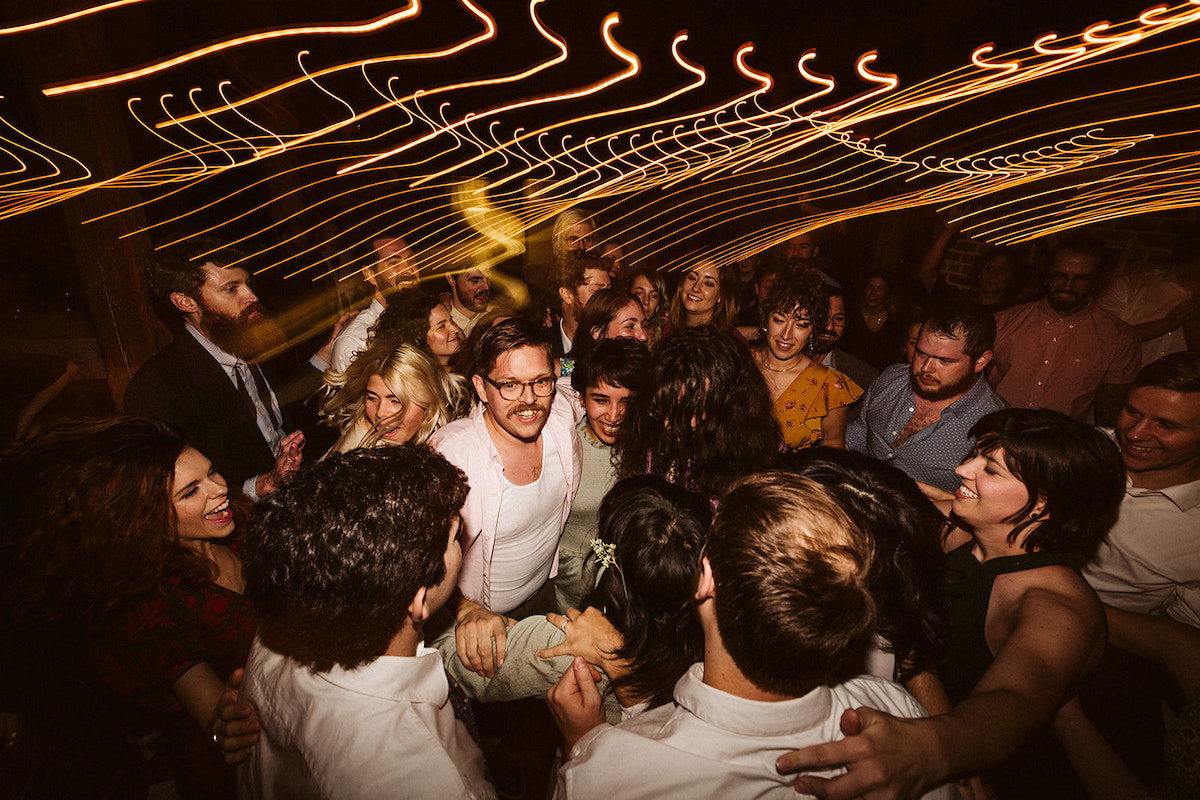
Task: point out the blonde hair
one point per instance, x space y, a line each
724 315
410 373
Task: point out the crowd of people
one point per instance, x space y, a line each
751 537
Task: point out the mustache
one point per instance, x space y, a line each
527 407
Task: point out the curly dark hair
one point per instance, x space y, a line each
704 419
406 319
659 530
569 271
90 523
337 554
793 602
906 574
795 293
1073 467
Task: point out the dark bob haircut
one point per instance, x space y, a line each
1071 466
336 555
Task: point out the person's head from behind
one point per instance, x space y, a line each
577 276
353 550
100 510
657 530
704 416
413 317
399 391
784 582
953 348
1053 482
606 378
905 577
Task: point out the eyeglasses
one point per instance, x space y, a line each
512 390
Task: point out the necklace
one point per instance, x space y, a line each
763 361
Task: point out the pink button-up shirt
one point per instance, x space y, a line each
1045 360
467 444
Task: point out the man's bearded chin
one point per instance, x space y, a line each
251 335
944 391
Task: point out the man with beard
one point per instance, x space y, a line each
825 350
917 416
206 382
1063 352
470 291
523 460
388 269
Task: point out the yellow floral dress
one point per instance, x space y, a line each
811 396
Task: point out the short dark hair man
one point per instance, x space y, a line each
1150 562
825 350
344 565
389 269
917 416
787 616
522 458
1063 352
470 291
577 276
207 382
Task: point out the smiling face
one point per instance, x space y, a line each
1158 431
521 419
392 268
941 370
788 334
875 295
990 494
394 421
700 292
200 499
443 337
605 406
647 295
1072 278
627 324
834 327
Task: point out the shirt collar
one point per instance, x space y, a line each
752 717
226 360
410 679
1185 496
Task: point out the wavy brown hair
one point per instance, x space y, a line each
90 523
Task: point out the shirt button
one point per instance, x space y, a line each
1039 383
891 455
1045 362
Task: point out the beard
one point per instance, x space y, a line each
820 345
474 303
942 391
250 335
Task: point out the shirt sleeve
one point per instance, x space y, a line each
1128 358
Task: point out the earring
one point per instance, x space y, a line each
1035 515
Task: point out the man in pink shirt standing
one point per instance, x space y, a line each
522 459
1063 352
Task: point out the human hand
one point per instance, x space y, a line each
575 702
886 758
589 635
474 631
326 351
235 727
287 461
10 729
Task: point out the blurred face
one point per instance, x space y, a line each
875 295
394 421
788 334
394 268
1069 286
593 281
605 407
443 337
618 260
521 419
1158 431
200 499
990 495
700 292
471 290
579 236
647 295
996 275
834 328
627 324
763 287
910 344
799 249
940 368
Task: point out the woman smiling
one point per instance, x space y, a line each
707 295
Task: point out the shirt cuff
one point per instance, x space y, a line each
319 362
248 488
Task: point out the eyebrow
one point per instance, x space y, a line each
185 488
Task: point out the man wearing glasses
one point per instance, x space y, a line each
522 460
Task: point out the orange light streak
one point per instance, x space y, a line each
74 15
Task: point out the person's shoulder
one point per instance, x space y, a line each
896 373
1011 314
877 693
455 432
